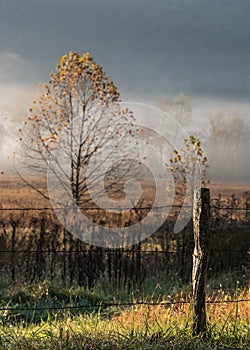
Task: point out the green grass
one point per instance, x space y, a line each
135 327
93 332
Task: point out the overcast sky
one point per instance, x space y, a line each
150 48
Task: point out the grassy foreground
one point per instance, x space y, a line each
135 327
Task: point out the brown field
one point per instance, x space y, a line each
14 192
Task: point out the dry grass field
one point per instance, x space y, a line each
14 193
38 278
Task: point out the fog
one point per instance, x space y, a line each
222 126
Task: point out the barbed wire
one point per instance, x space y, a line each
124 209
97 208
106 305
128 251
230 208
49 251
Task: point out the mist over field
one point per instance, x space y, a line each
226 147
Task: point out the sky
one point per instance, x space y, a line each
150 48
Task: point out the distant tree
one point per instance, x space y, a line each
179 108
228 144
78 115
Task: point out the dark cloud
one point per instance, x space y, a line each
152 47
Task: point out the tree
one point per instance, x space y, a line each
228 144
78 126
189 163
179 108
189 169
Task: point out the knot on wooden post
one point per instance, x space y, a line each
201 227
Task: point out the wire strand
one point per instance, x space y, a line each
101 305
124 209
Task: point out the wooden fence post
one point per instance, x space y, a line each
201 227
